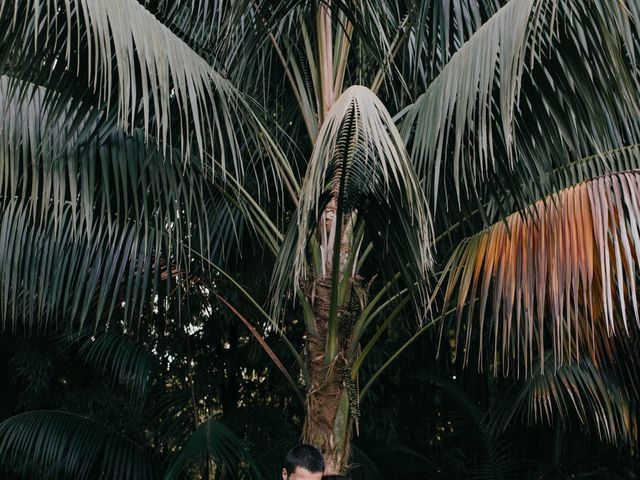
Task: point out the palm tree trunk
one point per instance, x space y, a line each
327 423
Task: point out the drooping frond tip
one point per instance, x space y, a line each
359 141
562 273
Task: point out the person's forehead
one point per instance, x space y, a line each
301 473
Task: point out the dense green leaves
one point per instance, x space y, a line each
134 64
496 115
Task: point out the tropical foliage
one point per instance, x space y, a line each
351 185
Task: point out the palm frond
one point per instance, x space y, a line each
461 95
117 56
73 183
48 274
426 35
212 440
578 390
56 444
562 273
578 100
470 126
64 152
170 415
113 352
199 23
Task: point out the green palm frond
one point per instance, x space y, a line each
94 218
48 274
561 273
441 28
126 361
579 390
578 100
477 121
461 96
212 440
108 33
117 56
425 36
198 23
55 444
70 155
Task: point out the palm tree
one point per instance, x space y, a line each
145 143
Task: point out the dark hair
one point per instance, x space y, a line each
334 477
305 456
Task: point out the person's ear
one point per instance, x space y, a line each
284 474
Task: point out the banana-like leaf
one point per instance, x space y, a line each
359 161
562 273
56 444
594 395
212 440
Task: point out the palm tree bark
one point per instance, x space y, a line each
327 423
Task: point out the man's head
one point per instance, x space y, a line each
303 462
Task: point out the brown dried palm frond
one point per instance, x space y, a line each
561 273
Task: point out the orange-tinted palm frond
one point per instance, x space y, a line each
560 274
